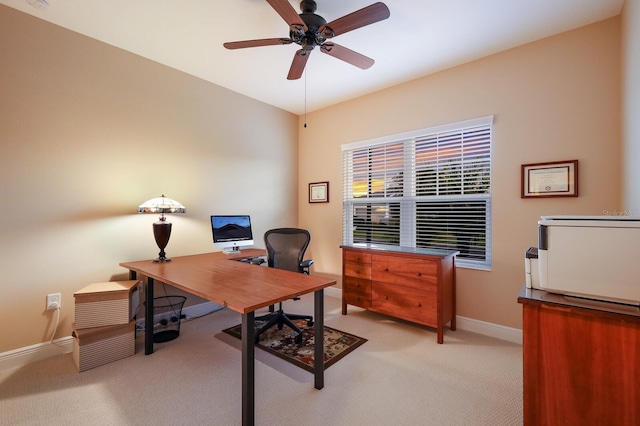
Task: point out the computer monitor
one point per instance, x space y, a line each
231 232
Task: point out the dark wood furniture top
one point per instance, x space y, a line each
581 360
535 296
402 250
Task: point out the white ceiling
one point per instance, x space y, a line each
420 37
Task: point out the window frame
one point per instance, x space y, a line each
409 201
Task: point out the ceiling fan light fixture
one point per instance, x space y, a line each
297 34
326 32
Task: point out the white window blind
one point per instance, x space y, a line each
429 188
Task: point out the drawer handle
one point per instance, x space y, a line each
419 274
386 269
386 298
419 305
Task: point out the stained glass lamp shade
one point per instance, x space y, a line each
162 228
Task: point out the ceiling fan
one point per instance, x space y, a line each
310 30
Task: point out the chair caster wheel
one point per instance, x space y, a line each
298 339
310 323
257 340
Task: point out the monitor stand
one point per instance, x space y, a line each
231 250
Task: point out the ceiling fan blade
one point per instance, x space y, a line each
287 12
298 64
347 55
256 43
360 18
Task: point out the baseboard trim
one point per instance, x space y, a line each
333 292
190 312
64 345
497 331
501 332
23 356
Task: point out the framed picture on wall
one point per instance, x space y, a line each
555 179
319 192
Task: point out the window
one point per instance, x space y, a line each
430 188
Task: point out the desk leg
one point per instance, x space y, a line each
148 318
248 332
318 331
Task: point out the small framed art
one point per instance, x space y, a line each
555 179
319 192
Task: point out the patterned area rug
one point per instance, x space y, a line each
281 343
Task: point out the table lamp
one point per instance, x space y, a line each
162 228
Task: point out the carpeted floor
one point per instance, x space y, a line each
401 376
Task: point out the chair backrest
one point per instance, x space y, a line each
286 247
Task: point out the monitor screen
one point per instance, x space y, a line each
231 232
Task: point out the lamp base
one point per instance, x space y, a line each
162 232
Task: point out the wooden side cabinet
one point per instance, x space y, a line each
416 285
581 361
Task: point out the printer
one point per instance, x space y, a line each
595 257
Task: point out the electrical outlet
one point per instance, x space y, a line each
54 301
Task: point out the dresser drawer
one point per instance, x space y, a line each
357 292
357 256
406 271
407 303
357 270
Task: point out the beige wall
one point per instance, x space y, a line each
555 99
87 133
631 107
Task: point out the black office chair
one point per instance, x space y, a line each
285 250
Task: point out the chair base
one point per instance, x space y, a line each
281 319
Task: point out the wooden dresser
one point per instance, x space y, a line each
581 361
417 285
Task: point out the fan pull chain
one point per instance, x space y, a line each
305 98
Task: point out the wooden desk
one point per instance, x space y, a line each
241 287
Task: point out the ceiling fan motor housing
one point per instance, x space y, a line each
311 38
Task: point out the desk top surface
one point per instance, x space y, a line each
220 278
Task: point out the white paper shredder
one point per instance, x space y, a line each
532 276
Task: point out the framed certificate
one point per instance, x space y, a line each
555 179
319 192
